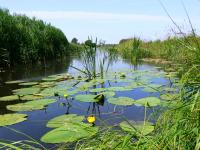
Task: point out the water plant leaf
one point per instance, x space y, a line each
31 105
56 78
26 91
31 97
168 89
108 94
10 119
123 101
70 133
64 120
120 88
46 84
97 90
137 128
149 90
29 83
9 98
86 98
148 101
14 82
169 96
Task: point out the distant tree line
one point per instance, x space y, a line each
25 41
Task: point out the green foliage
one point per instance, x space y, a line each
25 40
185 49
9 119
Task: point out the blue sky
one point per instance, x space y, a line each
110 20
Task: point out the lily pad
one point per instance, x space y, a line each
31 105
14 82
64 120
148 101
149 90
29 83
31 97
69 133
137 128
86 98
26 91
9 98
56 78
169 96
120 88
108 94
9 119
97 90
46 84
168 89
123 101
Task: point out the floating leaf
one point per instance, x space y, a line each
31 97
26 91
32 105
137 128
169 96
86 98
123 101
9 98
69 133
46 84
168 89
64 120
149 90
148 101
14 82
97 90
29 83
119 89
108 94
57 78
9 119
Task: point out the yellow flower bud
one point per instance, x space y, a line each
91 119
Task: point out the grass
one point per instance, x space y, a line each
176 128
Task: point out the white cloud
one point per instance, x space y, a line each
94 16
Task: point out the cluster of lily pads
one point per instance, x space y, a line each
68 128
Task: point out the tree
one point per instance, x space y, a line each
74 40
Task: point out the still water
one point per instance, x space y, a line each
106 113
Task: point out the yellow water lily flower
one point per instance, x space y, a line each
91 119
66 95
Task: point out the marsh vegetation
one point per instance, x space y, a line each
108 98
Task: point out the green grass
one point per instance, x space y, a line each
176 128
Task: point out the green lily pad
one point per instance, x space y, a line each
169 96
86 98
57 78
137 128
29 83
97 90
108 94
9 98
31 97
123 101
46 84
120 88
10 119
149 90
69 133
168 89
64 120
148 101
26 91
31 105
14 82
